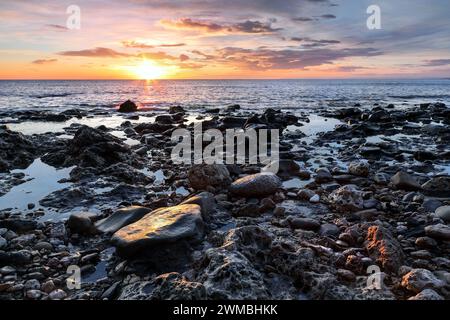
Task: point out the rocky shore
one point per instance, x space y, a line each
359 188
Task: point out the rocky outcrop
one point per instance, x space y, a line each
420 279
128 106
16 151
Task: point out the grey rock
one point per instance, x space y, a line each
203 176
360 169
206 201
437 187
256 185
347 199
420 279
443 213
402 180
82 223
121 218
427 294
438 231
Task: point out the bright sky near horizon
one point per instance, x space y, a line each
217 39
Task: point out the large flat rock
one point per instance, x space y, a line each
159 228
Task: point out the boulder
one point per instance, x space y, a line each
384 248
159 228
176 109
443 213
82 223
402 180
360 169
437 187
347 199
206 201
438 231
427 294
16 151
419 279
121 218
256 185
128 106
203 176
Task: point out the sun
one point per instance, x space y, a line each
148 70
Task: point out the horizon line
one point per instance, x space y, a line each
235 79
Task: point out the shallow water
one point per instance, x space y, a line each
42 181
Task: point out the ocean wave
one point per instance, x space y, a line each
51 95
432 96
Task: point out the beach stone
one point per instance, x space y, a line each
419 279
121 218
3 242
163 226
81 222
206 201
203 176
360 169
347 199
323 175
57 294
33 294
438 231
256 185
430 205
128 106
176 109
437 187
384 248
288 168
443 213
402 180
427 294
304 224
329 230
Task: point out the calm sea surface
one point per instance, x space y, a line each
251 94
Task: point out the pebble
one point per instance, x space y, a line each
443 213
57 294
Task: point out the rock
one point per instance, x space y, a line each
360 169
82 223
427 294
176 109
16 150
42 245
164 226
169 286
443 213
426 242
420 279
256 185
206 201
305 194
384 248
18 224
121 218
203 176
3 242
229 275
315 199
347 199
48 286
288 168
323 175
128 106
430 205
304 223
402 180
437 187
33 294
21 257
329 230
438 231
57 294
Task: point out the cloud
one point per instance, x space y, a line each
436 63
172 45
135 44
264 59
96 52
311 43
248 26
350 68
315 18
44 61
57 27
328 16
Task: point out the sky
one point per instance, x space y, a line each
223 39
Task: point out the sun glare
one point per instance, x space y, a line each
148 70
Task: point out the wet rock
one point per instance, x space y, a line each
3 242
206 201
203 176
437 187
438 231
427 294
402 180
57 294
164 226
18 224
329 230
304 224
360 169
384 248
347 199
21 257
128 106
443 213
420 279
323 175
289 168
430 205
176 109
121 218
82 223
169 286
424 155
16 151
257 185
